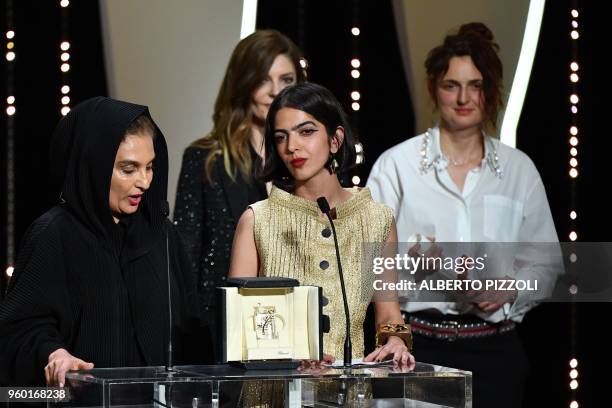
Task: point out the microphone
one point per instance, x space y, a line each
164 210
348 354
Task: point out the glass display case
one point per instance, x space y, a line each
379 385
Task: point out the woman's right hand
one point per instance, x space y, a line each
433 251
60 362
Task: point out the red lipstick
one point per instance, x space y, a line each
299 162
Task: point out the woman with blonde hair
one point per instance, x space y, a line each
216 183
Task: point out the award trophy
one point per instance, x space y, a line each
270 323
265 322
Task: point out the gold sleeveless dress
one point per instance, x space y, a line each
293 240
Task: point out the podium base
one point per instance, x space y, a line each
266 364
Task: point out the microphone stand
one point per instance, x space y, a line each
348 354
165 211
170 366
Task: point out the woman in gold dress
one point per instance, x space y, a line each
308 141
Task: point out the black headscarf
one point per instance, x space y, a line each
82 156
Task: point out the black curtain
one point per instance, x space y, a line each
543 135
39 27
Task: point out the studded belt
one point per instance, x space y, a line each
452 330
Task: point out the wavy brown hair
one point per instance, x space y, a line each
476 41
232 119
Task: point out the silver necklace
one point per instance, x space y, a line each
454 162
427 163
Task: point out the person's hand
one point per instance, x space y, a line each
434 251
327 359
395 348
316 366
60 362
490 300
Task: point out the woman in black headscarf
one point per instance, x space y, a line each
90 285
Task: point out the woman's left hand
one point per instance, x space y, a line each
327 360
395 348
314 367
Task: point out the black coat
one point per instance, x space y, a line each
206 213
86 284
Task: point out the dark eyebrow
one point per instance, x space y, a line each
299 125
452 81
131 162
128 163
296 127
282 76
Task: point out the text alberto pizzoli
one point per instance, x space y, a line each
459 265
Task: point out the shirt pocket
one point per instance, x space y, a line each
502 218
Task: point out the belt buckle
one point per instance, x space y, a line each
454 325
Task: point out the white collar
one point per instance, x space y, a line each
432 156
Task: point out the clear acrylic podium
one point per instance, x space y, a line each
425 386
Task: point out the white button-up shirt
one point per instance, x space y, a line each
503 200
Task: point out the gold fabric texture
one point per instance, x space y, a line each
294 240
262 394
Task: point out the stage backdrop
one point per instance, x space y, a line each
171 56
422 25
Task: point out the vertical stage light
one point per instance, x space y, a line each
355 94
574 134
11 111
64 57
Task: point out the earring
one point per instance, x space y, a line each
333 164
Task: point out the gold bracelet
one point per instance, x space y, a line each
403 331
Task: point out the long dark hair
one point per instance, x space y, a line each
321 104
232 118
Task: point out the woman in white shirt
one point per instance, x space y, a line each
456 184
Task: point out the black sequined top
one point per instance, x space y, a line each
206 215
